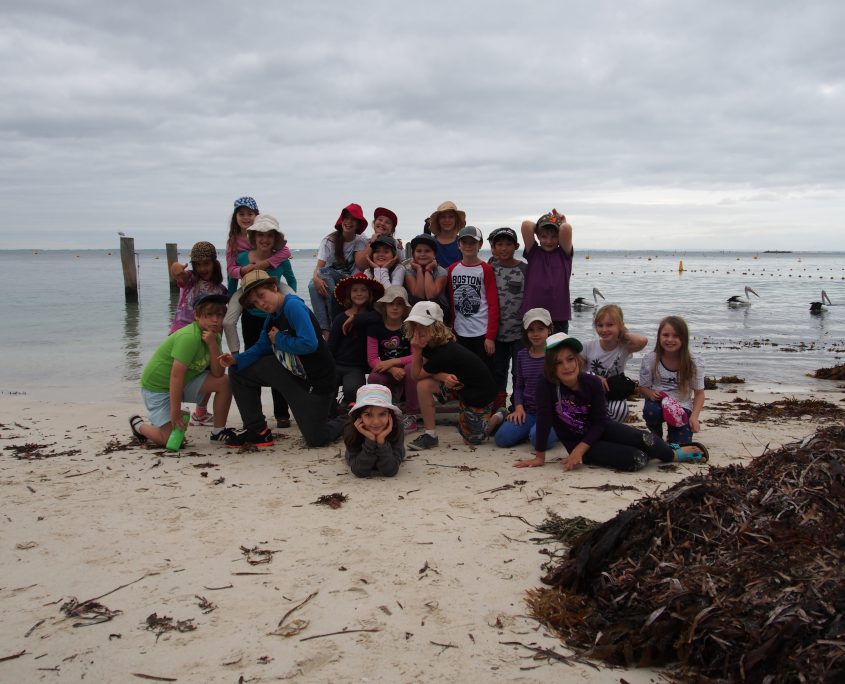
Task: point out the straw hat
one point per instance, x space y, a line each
341 290
434 219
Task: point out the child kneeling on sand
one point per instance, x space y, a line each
437 359
374 437
185 367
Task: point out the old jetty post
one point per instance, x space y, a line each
172 258
130 270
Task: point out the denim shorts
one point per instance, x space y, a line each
158 403
472 422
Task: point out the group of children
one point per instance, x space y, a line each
442 324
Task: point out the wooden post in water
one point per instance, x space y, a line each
172 258
130 271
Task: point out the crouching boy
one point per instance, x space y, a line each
443 367
185 367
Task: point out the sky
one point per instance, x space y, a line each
651 124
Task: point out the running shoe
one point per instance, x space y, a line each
204 419
409 423
257 438
423 442
223 435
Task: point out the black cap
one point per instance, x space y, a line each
386 240
212 299
424 238
503 233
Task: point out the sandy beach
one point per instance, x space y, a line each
424 573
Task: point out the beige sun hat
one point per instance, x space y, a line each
266 224
391 294
434 220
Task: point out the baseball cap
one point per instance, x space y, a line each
470 232
532 315
564 340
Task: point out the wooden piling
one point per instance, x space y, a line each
130 271
172 258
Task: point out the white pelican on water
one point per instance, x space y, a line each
737 300
581 304
818 307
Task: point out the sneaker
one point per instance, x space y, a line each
409 423
496 421
250 438
223 435
423 442
202 419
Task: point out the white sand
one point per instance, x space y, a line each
82 525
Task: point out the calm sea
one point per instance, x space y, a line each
67 332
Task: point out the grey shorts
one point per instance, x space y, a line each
158 403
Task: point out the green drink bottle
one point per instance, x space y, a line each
177 434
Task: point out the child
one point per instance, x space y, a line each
549 267
267 240
373 437
384 224
445 224
290 356
205 277
521 423
185 367
384 264
572 402
242 218
474 298
510 282
606 357
440 365
425 279
348 343
389 352
672 370
335 261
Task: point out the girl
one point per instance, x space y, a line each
373 437
266 240
389 352
445 224
521 423
242 218
204 278
348 339
670 370
425 279
606 356
384 223
384 265
572 402
335 261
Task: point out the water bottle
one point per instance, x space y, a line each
177 434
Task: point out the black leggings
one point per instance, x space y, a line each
251 327
623 447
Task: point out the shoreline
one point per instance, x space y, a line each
436 559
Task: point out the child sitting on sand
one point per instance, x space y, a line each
185 367
441 367
374 438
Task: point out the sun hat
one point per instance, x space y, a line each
503 234
386 240
391 294
212 299
434 219
265 223
341 290
532 315
203 250
552 219
374 395
247 202
564 340
252 280
425 313
471 232
424 238
382 211
355 211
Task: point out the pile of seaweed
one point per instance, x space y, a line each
733 575
786 408
835 373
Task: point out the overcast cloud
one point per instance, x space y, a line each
651 124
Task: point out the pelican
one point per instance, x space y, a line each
819 307
581 304
737 300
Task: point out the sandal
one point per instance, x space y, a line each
134 422
700 456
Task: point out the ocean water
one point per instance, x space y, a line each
68 333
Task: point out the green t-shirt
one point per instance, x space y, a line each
184 345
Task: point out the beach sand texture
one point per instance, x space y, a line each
432 565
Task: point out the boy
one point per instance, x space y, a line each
510 282
185 367
384 265
474 298
425 279
549 267
436 361
290 356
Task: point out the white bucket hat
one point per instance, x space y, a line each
374 395
266 224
